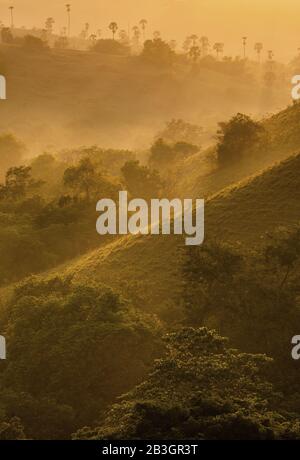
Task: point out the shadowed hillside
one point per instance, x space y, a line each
146 268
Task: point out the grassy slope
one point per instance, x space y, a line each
200 178
146 269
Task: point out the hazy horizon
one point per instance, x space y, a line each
259 20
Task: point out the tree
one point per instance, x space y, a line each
194 39
87 180
82 178
11 152
178 130
104 346
200 389
136 36
164 155
158 53
219 48
6 35
283 253
143 24
258 47
161 154
68 8
85 32
32 43
49 25
244 46
18 183
113 26
204 45
141 181
251 296
270 55
11 8
195 53
93 38
235 136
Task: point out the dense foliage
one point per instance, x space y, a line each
72 349
200 389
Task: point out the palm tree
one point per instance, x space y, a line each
258 47
194 39
86 29
68 7
113 26
143 24
204 45
270 55
11 16
219 48
195 53
93 38
49 25
244 46
136 36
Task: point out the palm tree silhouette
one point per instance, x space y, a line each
93 38
136 36
244 46
86 29
68 7
258 47
219 48
195 53
49 25
143 24
11 16
204 45
194 39
113 26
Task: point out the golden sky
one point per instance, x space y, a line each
274 22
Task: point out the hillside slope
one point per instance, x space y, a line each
147 268
199 175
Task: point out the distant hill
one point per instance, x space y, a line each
72 98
